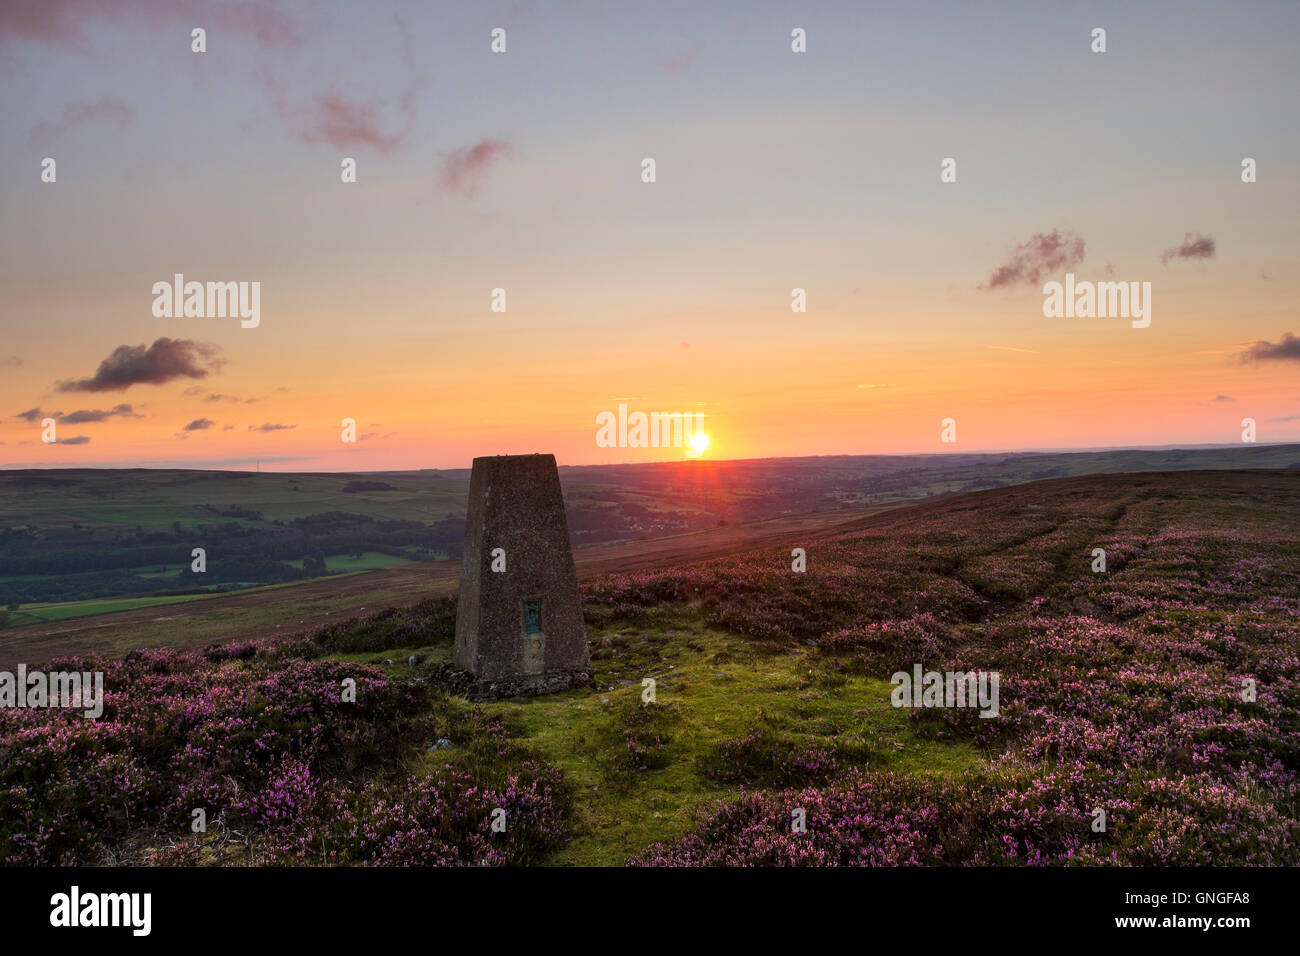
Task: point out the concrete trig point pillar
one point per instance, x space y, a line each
518 618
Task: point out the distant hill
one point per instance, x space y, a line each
86 534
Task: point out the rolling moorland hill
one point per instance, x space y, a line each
77 542
1162 691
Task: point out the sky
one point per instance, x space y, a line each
523 171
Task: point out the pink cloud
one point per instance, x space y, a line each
60 22
342 123
464 168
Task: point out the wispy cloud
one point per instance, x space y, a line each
98 415
463 170
107 108
343 122
217 397
199 424
1192 247
79 417
1044 253
214 397
268 427
62 22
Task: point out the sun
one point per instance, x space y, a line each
699 442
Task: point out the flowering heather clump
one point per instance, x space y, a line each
888 819
431 621
439 819
265 745
642 734
888 646
760 598
765 758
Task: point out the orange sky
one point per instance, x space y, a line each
522 172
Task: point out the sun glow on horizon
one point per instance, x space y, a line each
697 445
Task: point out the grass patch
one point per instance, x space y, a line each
640 771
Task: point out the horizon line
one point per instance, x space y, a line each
1099 449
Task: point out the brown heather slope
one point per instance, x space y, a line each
285 609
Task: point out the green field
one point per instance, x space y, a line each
67 610
155 500
70 610
368 561
213 626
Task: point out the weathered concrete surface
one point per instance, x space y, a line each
515 504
